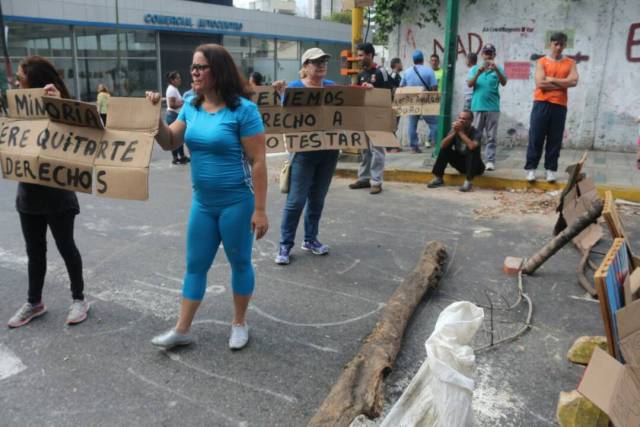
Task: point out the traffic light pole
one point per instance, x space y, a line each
449 67
357 18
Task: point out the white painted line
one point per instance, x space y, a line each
286 398
308 344
206 407
10 364
253 307
162 288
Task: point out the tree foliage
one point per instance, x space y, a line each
343 17
389 14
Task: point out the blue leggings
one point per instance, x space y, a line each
208 226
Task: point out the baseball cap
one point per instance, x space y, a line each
418 56
314 53
489 48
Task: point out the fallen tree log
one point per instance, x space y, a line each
359 387
583 221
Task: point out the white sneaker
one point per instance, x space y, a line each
427 144
531 175
490 166
551 176
239 336
77 312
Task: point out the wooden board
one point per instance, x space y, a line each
609 280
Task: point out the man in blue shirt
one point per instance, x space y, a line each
420 75
485 79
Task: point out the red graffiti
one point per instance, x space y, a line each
410 38
461 50
579 57
633 41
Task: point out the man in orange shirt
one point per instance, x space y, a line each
555 73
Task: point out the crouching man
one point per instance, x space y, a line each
460 149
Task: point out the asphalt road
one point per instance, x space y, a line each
308 319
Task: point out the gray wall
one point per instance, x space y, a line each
603 106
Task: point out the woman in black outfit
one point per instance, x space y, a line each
40 207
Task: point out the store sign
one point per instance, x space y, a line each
188 22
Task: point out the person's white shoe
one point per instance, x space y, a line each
171 339
551 176
490 166
427 144
531 175
239 336
77 312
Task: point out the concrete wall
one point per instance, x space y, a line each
606 43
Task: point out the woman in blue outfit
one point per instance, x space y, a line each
224 132
311 172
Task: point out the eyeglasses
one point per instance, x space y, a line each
199 67
319 61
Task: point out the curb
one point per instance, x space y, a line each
491 182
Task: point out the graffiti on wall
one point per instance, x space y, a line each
517 70
474 44
633 39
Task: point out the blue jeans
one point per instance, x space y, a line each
311 174
431 121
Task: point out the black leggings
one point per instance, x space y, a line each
34 229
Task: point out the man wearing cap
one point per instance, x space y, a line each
419 75
372 166
485 79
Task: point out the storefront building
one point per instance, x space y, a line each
131 49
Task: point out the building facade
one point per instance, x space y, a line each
131 47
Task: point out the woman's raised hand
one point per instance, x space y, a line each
51 90
153 97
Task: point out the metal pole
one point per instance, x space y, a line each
116 78
159 61
357 16
74 61
449 70
5 51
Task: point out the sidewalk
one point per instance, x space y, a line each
610 171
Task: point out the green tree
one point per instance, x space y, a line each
389 14
343 17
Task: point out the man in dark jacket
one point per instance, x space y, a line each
372 165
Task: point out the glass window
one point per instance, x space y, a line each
263 56
26 39
128 72
50 41
288 49
240 50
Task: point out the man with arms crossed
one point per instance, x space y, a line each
555 73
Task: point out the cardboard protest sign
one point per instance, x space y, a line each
611 387
64 147
415 100
336 117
